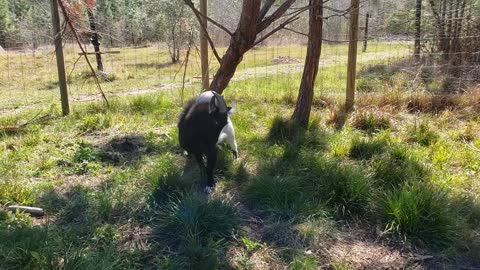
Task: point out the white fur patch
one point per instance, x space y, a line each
228 135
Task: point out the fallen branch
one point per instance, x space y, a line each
34 211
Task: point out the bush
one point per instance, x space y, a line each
421 214
197 228
370 122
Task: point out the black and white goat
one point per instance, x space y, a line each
204 123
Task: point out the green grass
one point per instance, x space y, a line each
31 78
120 194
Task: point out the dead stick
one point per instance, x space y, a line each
34 211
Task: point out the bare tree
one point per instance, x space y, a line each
254 20
95 38
303 107
418 28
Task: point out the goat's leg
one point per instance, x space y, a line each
211 161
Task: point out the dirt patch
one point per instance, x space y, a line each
285 60
125 148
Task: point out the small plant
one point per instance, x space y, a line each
420 213
85 152
423 135
304 263
371 122
251 245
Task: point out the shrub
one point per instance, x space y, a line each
197 228
371 122
421 214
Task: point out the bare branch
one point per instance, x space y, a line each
196 11
295 31
67 19
278 28
266 7
204 28
275 15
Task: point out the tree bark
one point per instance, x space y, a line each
251 24
95 39
365 36
241 41
204 47
301 115
418 28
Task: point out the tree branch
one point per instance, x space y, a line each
275 15
204 28
266 7
278 28
196 11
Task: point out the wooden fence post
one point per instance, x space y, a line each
62 78
352 55
204 48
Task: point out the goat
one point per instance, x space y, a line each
204 123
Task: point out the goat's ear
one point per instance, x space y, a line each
212 107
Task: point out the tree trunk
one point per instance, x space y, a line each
352 55
204 47
418 28
241 41
457 32
365 36
94 39
301 115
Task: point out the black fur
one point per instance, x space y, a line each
198 132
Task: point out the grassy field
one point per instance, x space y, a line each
31 78
398 186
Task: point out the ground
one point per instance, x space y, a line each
396 187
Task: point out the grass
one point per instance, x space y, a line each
120 194
33 75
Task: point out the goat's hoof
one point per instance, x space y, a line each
235 155
208 189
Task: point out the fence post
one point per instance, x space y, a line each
62 78
352 55
365 41
204 47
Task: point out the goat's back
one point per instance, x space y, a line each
198 130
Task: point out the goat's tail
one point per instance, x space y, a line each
186 109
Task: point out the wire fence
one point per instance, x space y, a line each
386 53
